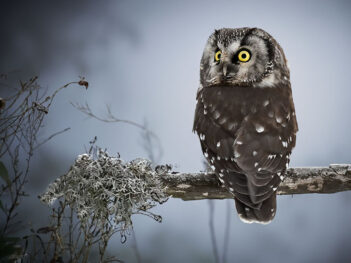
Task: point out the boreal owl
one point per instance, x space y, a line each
245 117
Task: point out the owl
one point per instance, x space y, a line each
245 117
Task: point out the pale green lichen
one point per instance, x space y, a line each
109 189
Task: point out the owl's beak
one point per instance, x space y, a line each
225 70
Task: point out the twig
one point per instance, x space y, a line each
135 247
229 209
212 230
50 137
148 135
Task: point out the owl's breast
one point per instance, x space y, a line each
228 106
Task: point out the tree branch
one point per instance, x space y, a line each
307 180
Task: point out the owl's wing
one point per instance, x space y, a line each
262 150
216 128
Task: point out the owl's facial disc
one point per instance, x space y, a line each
239 57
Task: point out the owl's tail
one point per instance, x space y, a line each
262 215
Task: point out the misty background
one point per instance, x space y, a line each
142 59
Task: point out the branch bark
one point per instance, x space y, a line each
307 180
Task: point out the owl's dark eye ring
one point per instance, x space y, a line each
217 56
244 55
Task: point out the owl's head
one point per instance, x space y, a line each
242 57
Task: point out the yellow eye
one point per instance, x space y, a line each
244 56
218 55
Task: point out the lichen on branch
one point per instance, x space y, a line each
109 190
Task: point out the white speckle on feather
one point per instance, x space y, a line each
222 170
265 103
216 115
218 144
279 173
232 159
254 153
259 169
222 120
221 180
288 117
213 167
287 165
259 128
256 164
278 119
281 177
231 125
280 138
221 175
205 111
270 114
231 189
218 158
247 209
239 142
272 210
274 188
205 194
206 154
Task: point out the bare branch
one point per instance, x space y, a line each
212 231
109 118
151 142
50 137
307 180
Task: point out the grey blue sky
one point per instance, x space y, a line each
142 58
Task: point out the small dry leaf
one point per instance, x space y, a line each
84 83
